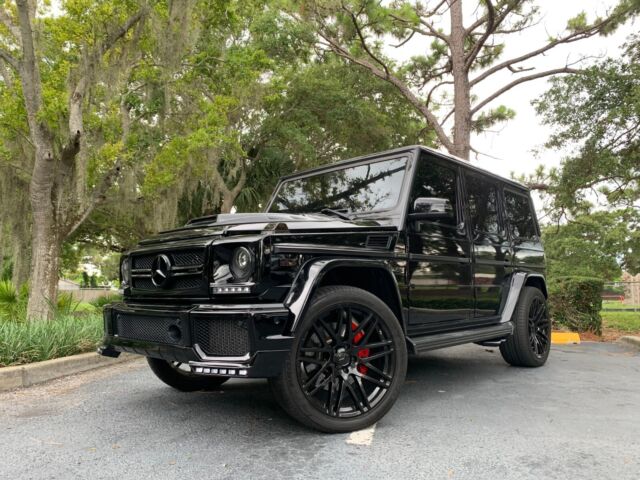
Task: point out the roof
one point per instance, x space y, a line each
408 149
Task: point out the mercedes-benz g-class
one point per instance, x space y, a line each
350 268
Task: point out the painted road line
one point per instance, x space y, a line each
362 437
563 338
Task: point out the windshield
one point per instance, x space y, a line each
363 188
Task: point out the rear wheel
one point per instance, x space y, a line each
178 375
530 343
347 364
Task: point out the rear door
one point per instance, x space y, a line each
528 254
439 267
492 256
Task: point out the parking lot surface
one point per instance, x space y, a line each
463 413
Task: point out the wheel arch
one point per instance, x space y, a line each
518 281
538 281
339 271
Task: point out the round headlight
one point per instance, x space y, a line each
124 270
242 263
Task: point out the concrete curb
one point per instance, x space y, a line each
631 340
564 338
33 373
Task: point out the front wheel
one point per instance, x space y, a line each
347 363
179 376
530 343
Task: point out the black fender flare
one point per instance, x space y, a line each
312 273
518 281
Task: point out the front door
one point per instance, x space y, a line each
439 267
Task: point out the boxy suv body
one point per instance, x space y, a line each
351 267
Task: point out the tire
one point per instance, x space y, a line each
530 343
185 381
364 366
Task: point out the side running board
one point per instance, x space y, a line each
449 339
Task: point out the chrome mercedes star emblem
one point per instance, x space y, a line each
160 270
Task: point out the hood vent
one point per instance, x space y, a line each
378 241
205 219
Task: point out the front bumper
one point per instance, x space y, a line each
226 340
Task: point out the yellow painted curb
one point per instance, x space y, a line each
562 338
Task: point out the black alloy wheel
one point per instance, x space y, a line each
539 327
348 362
530 344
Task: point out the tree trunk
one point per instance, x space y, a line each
21 256
1 252
45 243
461 89
227 202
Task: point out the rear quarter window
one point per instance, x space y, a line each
519 215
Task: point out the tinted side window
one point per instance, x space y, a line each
483 204
435 193
519 214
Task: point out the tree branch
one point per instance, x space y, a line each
396 82
10 60
98 197
76 126
403 42
477 46
429 32
572 37
120 32
537 186
7 77
498 20
7 21
434 88
29 69
518 81
363 42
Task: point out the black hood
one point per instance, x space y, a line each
252 223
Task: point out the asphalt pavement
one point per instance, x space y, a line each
463 414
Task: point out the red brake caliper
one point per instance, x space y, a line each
364 353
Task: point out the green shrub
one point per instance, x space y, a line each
25 342
575 303
66 305
102 301
13 302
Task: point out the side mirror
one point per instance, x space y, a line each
432 209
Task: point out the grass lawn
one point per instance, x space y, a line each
25 342
622 321
606 304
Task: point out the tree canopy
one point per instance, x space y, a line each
120 118
460 45
594 195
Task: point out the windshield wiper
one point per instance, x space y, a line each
336 213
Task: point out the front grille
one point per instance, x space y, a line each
180 259
183 259
187 270
143 262
144 327
222 336
183 283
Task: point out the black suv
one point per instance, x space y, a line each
350 268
